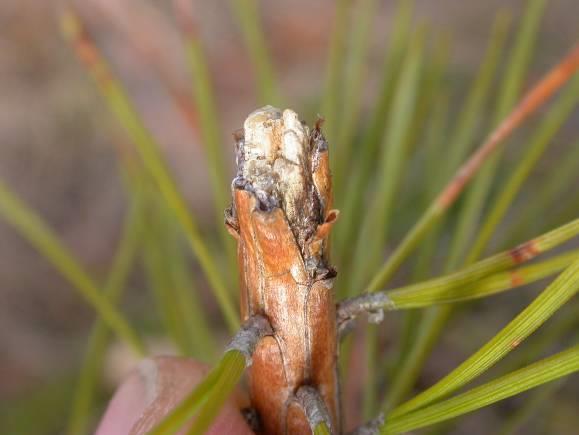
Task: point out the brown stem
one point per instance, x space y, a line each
281 216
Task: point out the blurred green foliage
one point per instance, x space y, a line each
387 168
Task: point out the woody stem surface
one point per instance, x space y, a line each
281 216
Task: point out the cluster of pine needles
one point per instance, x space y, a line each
398 160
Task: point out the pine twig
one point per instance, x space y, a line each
281 217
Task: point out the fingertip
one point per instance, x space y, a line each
125 408
153 390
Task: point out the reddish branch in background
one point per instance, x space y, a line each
534 99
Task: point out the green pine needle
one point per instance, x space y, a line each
539 373
206 399
121 106
37 232
247 15
531 318
83 398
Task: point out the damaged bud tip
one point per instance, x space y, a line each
279 162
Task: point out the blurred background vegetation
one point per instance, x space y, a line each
59 151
